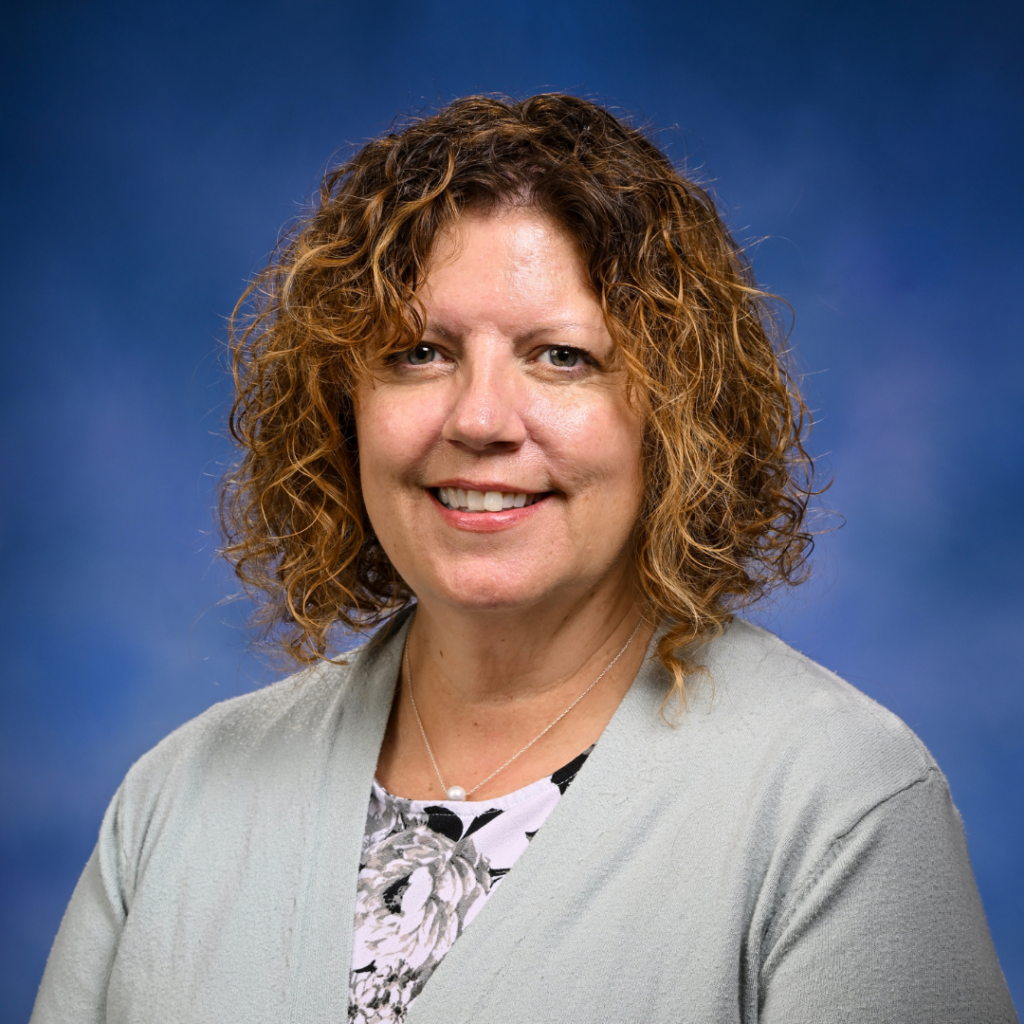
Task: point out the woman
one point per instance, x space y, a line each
511 391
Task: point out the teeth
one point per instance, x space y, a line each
483 501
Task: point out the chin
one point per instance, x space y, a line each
491 592
491 599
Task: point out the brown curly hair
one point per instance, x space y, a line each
727 477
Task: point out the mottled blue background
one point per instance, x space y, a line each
150 154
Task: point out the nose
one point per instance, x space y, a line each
486 413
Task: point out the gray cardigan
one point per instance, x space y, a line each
786 852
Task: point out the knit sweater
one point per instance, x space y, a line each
786 851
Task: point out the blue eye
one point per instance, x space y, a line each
421 354
563 357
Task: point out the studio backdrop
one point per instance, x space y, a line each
869 156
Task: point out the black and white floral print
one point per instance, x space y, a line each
427 869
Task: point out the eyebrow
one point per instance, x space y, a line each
435 327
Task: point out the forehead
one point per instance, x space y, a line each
509 264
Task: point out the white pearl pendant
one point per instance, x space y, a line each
456 793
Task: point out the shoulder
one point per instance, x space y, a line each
800 741
232 727
283 730
776 760
262 764
757 680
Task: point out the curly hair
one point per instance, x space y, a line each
727 478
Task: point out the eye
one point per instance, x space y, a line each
562 356
421 354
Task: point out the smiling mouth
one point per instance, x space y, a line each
483 501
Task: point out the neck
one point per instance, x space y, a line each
488 682
476 657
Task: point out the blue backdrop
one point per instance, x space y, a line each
151 153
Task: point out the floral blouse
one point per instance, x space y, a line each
426 871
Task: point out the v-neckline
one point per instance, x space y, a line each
507 916
320 978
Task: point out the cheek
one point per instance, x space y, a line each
391 436
597 441
379 459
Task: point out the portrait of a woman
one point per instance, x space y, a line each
511 409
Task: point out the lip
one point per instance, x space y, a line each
471 485
486 522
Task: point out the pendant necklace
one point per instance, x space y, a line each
457 792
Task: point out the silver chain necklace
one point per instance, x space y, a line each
457 792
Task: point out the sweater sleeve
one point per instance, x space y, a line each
74 985
889 927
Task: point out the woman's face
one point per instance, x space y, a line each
500 461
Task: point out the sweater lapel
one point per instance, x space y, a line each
354 733
467 979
